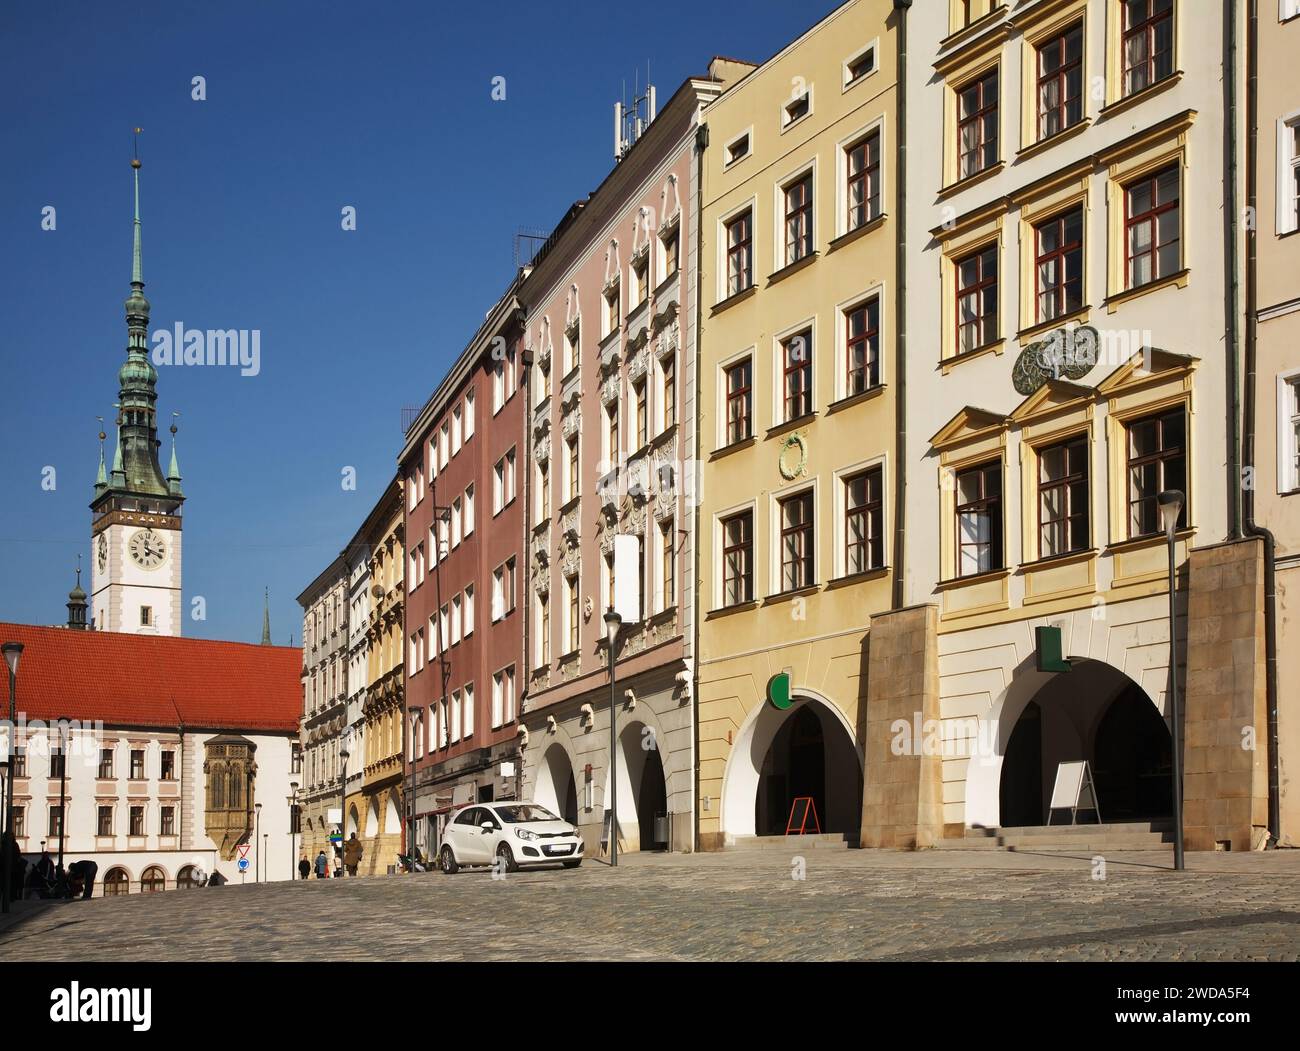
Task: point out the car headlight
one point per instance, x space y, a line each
523 833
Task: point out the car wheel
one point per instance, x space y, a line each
508 857
447 861
572 864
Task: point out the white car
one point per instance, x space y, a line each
514 834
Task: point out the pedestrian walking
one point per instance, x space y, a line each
322 866
352 852
304 868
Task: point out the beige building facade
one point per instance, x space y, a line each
797 436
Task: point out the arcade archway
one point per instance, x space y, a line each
779 756
1096 713
556 788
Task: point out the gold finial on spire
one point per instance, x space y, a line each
135 149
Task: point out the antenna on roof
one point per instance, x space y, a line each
631 121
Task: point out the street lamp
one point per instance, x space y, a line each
612 624
12 651
1170 503
415 717
293 838
343 799
257 842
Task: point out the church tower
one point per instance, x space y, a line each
136 510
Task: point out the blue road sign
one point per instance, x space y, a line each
243 864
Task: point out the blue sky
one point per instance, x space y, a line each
310 107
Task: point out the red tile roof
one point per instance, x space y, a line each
153 680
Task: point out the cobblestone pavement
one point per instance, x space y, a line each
879 905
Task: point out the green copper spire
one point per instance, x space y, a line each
137 262
101 479
174 469
266 618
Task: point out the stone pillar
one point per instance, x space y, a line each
902 794
1225 780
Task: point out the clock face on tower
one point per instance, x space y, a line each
148 549
102 554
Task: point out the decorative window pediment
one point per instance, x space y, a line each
1054 396
1146 366
968 425
613 267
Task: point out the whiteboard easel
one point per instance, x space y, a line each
1074 791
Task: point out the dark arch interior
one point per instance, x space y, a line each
651 799
805 760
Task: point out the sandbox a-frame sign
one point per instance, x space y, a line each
1074 791
802 811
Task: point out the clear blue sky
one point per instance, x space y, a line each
310 106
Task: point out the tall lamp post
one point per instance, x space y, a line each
417 712
612 624
343 801
1170 503
12 651
293 828
257 842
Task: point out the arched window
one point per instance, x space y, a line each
116 881
187 877
153 880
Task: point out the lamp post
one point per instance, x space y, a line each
417 711
612 623
12 651
257 842
293 837
63 790
343 798
1170 503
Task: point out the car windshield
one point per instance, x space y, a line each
525 812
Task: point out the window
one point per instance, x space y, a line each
467 698
862 347
167 823
798 219
571 449
1157 460
457 518
58 764
639 394
738 148
455 620
863 188
137 821
506 681
444 441
503 482
146 616
543 492
573 348
498 386
797 541
116 882
796 375
442 735
611 433
572 621
455 715
433 458
444 626
1148 47
1060 82
469 610
979 519
1058 266
168 765
740 401
1289 434
796 109
672 249
544 632
469 509
1288 174
612 319
977 299
864 521
642 595
668 372
469 414
860 65
667 566
19 760
740 237
641 278
104 821
977 125
608 574
56 821
1152 227
455 430
1063 498
498 593
105 762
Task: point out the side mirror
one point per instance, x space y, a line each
487 826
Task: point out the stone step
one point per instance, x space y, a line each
1138 835
825 841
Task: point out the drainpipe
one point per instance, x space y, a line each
701 144
1231 232
523 565
1248 495
900 312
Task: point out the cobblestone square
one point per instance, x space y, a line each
852 905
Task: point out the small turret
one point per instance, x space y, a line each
77 603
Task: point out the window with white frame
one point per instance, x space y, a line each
456 522
797 209
433 637
796 108
573 348
469 414
455 620
503 697
510 476
498 387
455 715
467 699
1288 173
469 610
737 149
542 643
469 509
864 521
860 64
667 566
444 441
442 728
572 617
455 430
444 615
862 181
1288 432
433 458
1287 9
412 493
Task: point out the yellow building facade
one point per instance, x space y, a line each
797 426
